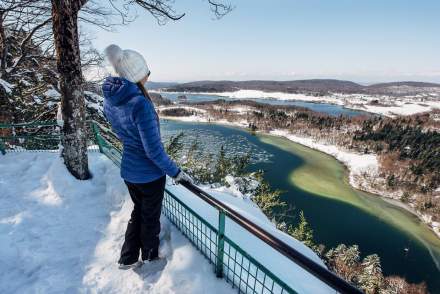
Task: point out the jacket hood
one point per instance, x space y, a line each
119 90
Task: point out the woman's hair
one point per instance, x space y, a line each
144 91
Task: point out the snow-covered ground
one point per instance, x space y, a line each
61 235
388 105
398 107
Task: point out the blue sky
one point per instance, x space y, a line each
361 40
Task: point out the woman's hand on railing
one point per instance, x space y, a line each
182 177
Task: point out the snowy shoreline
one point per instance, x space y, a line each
358 165
389 106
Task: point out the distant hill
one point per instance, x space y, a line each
316 85
312 86
403 88
159 85
407 83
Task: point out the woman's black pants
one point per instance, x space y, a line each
144 226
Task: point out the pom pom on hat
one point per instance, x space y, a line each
128 64
114 54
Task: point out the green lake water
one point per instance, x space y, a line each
317 184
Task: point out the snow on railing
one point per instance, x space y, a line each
231 261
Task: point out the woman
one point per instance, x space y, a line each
129 109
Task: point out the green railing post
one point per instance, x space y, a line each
220 244
97 136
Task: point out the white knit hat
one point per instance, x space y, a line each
127 63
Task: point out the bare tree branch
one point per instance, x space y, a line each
106 18
220 9
24 43
162 10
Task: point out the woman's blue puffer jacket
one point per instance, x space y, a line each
134 120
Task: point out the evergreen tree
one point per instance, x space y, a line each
269 200
222 167
175 146
303 231
344 261
371 278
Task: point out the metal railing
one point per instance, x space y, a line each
33 136
230 261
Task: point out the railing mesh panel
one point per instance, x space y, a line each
36 137
247 274
240 269
201 234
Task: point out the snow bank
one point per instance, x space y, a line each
50 223
401 108
61 235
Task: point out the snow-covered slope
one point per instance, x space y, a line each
61 235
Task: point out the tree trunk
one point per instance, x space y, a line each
3 47
65 29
